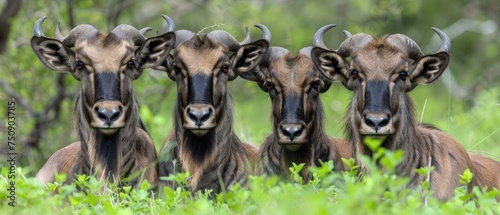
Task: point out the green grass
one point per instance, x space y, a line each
328 193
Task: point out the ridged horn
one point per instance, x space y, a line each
407 44
129 32
352 43
76 33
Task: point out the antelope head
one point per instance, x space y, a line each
380 72
106 65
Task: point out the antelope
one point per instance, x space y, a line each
294 86
203 141
380 73
113 142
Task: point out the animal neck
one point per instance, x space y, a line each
312 149
405 137
200 150
109 156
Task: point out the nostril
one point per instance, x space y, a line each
369 121
376 122
199 116
285 131
115 114
206 115
192 114
383 121
292 131
100 112
108 115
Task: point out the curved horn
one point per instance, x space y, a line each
57 32
347 34
445 41
266 33
38 27
129 32
170 23
247 39
76 33
352 43
145 30
318 36
225 38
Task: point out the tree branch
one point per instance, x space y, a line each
10 10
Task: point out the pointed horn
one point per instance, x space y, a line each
145 30
57 33
266 33
445 41
170 23
247 39
347 34
318 36
38 27
129 32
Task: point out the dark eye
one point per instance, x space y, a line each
315 84
131 64
354 73
225 68
403 75
79 65
269 85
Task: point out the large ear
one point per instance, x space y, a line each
428 68
154 53
247 57
330 64
53 54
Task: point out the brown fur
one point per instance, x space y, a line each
286 77
484 169
382 64
114 145
216 159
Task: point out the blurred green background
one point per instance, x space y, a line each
464 102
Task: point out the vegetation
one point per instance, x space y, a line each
464 103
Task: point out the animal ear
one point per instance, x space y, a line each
428 68
248 57
53 54
330 64
154 52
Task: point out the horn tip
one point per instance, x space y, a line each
445 40
145 30
347 33
38 27
265 30
318 36
170 22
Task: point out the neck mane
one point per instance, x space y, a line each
109 156
406 137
